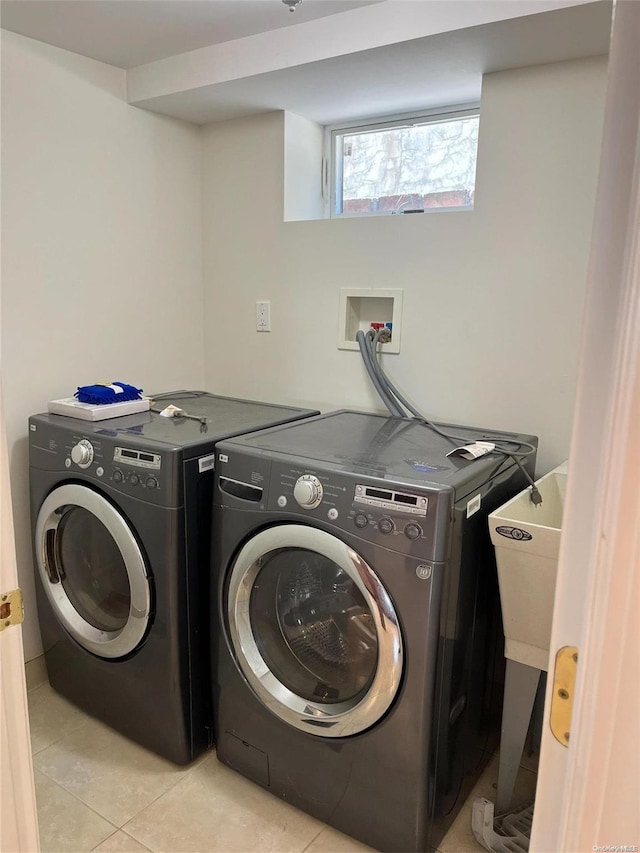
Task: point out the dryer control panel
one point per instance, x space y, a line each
128 470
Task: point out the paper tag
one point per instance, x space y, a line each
116 388
474 505
474 450
170 411
206 463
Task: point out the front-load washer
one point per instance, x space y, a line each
121 514
358 663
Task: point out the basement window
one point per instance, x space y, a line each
407 164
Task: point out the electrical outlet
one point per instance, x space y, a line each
263 316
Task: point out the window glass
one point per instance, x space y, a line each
406 166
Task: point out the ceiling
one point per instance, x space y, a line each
126 33
420 74
330 60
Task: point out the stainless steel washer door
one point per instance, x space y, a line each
314 631
92 570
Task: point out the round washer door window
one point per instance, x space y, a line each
314 631
93 571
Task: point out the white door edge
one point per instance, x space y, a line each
587 794
19 824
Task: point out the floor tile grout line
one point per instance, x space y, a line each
75 797
133 838
155 800
62 737
104 839
120 829
185 773
93 809
87 718
101 816
315 838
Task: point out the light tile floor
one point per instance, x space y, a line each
96 790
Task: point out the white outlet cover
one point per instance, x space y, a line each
263 316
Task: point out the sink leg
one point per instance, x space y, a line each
521 684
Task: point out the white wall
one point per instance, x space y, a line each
303 150
492 298
101 249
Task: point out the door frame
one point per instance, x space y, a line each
19 823
588 793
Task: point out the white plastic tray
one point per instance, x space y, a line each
89 412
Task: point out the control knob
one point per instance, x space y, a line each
308 491
413 530
386 525
82 453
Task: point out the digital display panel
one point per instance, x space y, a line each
139 458
378 493
406 499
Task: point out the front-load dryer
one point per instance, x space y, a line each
121 516
358 659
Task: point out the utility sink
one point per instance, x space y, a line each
526 539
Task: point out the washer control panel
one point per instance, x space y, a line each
397 517
139 458
391 499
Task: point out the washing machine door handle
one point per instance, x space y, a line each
314 631
92 570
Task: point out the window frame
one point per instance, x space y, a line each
334 161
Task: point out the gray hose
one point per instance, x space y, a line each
392 394
391 388
369 361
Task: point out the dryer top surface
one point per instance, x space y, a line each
225 417
378 446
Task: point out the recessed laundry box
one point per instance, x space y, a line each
526 539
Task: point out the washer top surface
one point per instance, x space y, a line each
379 446
225 417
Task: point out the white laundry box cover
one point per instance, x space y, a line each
526 539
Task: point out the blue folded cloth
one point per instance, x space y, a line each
100 395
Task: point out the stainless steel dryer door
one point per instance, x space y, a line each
314 631
92 570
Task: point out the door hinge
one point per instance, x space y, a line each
564 683
11 609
